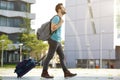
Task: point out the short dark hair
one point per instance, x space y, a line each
58 6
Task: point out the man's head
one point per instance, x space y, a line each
60 9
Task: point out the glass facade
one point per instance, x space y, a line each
3 21
15 6
11 22
14 37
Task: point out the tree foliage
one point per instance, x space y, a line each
33 46
6 42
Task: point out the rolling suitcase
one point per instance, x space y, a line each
25 66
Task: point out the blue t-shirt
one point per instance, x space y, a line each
57 34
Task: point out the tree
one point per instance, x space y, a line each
6 42
4 45
33 46
26 21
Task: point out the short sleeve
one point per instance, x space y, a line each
55 20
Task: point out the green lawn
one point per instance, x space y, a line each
8 66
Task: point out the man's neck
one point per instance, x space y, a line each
59 14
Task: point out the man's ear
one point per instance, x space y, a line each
59 10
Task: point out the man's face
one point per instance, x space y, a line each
63 11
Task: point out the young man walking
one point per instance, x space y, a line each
54 43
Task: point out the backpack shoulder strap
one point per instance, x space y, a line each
54 16
50 26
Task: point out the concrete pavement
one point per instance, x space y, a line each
82 74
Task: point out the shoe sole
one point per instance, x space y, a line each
71 76
44 78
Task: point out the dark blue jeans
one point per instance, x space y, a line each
54 46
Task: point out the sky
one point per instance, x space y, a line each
44 11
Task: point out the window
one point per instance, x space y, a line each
6 5
15 5
10 22
3 5
23 7
10 6
18 22
3 21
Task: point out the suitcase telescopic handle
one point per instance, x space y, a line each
40 59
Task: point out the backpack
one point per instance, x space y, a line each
44 32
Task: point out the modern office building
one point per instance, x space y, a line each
92 33
12 18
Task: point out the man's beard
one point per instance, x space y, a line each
63 12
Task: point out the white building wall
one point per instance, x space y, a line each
80 40
10 30
9 13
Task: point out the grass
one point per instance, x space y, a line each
8 66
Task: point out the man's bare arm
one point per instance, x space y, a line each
56 26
